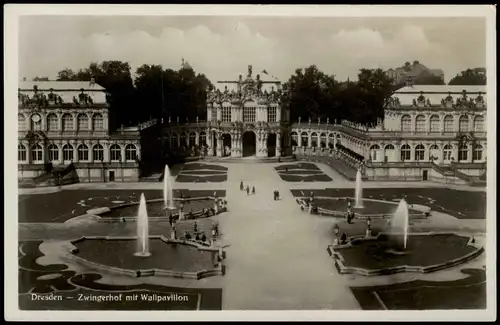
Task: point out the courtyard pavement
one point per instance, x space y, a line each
276 254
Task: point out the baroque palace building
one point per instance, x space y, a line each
67 124
434 133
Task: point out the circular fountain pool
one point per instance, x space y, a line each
156 208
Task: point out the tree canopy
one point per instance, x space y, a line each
470 77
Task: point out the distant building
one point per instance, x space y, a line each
410 72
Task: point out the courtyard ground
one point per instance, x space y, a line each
276 254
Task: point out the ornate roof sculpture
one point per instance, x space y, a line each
247 89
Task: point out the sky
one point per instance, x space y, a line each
222 47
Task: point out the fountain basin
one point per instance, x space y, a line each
337 206
378 256
167 257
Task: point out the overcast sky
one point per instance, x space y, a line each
222 47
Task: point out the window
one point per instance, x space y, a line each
67 122
130 152
173 141
406 123
477 155
248 114
434 123
37 153
271 114
305 139
214 114
322 140
52 122
447 152
479 124
433 152
192 139
463 151
419 152
53 153
226 114
115 152
203 138
374 151
314 139
339 139
463 124
83 153
420 123
405 152
98 153
21 122
21 152
97 122
183 140
67 152
448 123
36 122
83 122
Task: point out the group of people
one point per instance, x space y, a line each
197 236
247 188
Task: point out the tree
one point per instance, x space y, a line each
427 78
469 77
374 88
41 79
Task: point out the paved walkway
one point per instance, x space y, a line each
276 254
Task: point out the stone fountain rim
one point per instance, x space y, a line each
334 251
219 269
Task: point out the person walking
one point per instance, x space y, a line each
248 190
170 219
253 189
241 186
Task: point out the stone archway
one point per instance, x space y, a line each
271 145
249 144
226 144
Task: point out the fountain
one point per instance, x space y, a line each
359 191
168 196
399 223
142 229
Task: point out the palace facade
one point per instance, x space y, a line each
67 124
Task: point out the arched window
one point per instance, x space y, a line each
463 151
374 149
203 138
322 140
419 152
420 123
479 124
406 123
21 123
448 123
295 138
304 139
36 122
83 122
83 152
405 152
463 124
447 149
52 122
36 153
477 154
433 152
97 122
192 139
21 152
67 122
314 139
183 139
53 152
68 152
434 124
389 152
115 152
173 139
130 152
98 153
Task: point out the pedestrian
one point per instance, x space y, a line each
195 227
170 219
241 186
277 195
203 237
187 235
248 190
253 189
197 237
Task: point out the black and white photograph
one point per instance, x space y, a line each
338 162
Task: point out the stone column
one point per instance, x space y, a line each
278 144
219 112
210 143
309 140
60 150
197 138
122 153
299 140
59 122
219 145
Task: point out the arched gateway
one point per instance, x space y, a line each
249 144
